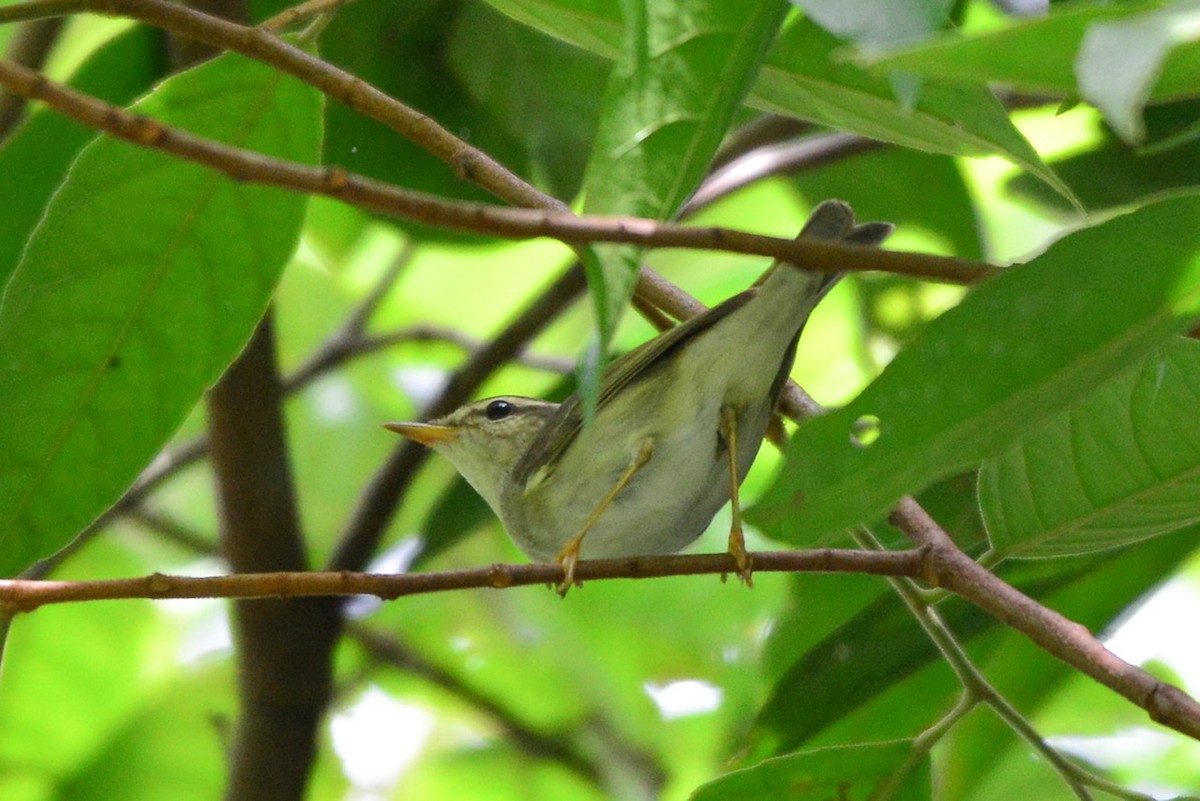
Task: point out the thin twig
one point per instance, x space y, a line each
338 351
972 679
782 158
23 595
922 745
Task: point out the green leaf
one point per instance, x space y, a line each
35 158
594 25
1121 465
540 90
143 280
681 75
1036 55
1015 351
802 77
170 749
1120 62
845 772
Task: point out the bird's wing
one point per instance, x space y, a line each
564 426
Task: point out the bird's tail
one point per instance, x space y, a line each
833 221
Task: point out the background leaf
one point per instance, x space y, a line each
143 280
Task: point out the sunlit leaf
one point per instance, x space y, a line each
1120 62
1038 54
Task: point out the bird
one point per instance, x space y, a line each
678 422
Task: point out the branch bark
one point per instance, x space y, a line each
267 588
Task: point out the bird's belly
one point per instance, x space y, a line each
665 506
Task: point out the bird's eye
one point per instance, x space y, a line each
499 409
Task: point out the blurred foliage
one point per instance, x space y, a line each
808 686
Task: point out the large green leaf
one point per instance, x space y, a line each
1121 465
682 73
35 158
847 772
802 77
145 277
414 52
1015 351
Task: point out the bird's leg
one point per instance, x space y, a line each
737 540
568 557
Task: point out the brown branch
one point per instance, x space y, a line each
952 569
509 223
284 665
782 158
23 595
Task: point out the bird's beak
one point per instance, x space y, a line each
424 433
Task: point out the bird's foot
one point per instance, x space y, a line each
741 557
568 557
